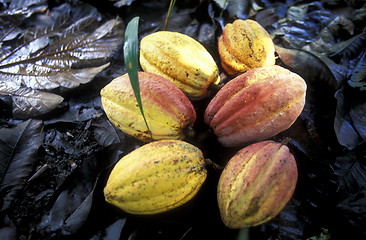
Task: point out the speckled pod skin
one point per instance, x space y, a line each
167 109
244 45
156 177
180 59
256 105
256 184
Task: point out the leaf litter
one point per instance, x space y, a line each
62 196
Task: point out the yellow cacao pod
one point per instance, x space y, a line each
244 45
167 109
256 184
256 105
180 59
156 177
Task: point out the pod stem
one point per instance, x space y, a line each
285 141
216 166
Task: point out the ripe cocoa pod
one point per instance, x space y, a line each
244 45
180 59
256 105
256 184
167 109
156 177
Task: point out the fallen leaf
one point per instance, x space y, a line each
18 151
46 58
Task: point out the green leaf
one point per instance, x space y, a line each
130 50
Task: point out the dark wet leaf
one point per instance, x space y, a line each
360 15
25 3
106 134
357 77
121 3
18 148
306 25
323 235
112 232
79 109
311 67
24 8
352 215
350 173
73 205
350 48
29 102
358 117
287 225
266 18
90 110
337 30
235 8
7 229
350 120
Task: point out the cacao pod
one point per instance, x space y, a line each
156 177
244 45
180 59
256 105
167 109
256 184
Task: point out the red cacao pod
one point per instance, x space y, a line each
256 105
167 110
256 184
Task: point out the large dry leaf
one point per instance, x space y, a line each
45 58
46 63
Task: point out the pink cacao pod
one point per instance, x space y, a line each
256 184
256 105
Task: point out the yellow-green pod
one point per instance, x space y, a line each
180 59
156 177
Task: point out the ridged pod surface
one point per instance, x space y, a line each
256 105
167 109
244 45
156 177
180 59
256 184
